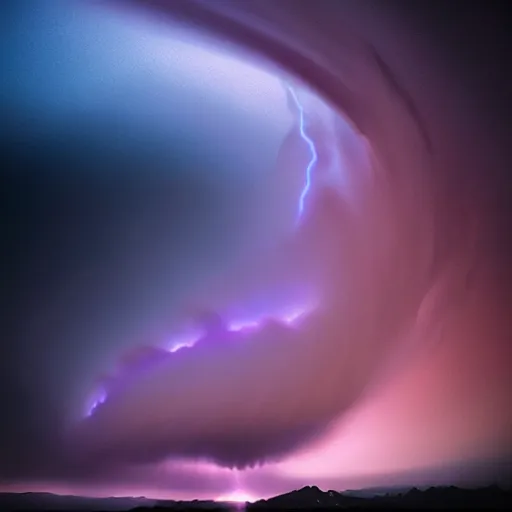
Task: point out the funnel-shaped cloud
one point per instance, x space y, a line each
240 398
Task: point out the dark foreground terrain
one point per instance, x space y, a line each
491 498
438 498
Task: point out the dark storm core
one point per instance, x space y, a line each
90 260
106 220
81 246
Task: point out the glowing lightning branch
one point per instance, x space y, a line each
312 148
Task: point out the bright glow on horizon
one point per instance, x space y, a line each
237 496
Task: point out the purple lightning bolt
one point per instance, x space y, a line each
312 149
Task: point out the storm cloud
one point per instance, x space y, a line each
152 174
249 397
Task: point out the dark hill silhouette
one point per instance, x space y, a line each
489 498
45 501
310 497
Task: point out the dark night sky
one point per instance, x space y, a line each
122 191
145 175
